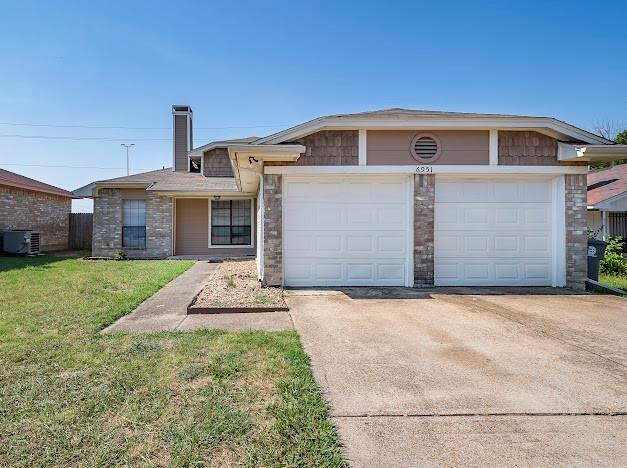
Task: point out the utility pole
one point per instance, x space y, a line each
127 148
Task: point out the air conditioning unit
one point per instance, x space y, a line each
21 242
2 231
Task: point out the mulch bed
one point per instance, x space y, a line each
235 288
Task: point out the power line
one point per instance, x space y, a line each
71 167
50 137
119 127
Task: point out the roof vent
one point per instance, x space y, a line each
425 148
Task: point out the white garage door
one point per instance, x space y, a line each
345 231
493 233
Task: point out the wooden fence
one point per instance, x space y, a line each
81 227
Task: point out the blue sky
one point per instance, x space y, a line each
263 66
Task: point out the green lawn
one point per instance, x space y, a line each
70 396
619 282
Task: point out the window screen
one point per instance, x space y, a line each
134 224
230 222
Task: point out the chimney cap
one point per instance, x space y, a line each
182 108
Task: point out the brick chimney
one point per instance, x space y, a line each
182 133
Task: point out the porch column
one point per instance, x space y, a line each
606 231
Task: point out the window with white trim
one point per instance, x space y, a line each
134 224
231 222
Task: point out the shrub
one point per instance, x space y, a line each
614 262
119 255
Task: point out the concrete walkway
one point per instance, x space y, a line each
167 309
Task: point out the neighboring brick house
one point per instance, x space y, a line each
389 198
29 204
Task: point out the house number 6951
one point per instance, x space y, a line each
424 169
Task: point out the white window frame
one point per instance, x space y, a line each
252 225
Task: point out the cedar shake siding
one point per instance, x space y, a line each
217 163
192 230
392 147
107 237
517 148
42 212
326 148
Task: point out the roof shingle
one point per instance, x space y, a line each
603 185
12 179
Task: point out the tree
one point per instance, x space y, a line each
609 131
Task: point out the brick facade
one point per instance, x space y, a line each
576 235
107 238
273 230
46 213
424 200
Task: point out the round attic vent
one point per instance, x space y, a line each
425 148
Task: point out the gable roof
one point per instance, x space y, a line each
606 184
12 179
164 180
408 118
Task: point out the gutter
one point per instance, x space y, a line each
576 152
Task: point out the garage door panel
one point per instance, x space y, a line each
493 233
538 192
392 244
356 236
326 243
540 215
477 244
360 271
507 216
506 192
480 243
488 271
359 244
329 272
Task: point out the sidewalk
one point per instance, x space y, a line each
167 309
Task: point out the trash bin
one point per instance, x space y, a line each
596 250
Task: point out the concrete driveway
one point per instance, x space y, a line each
446 378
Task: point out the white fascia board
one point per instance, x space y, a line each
457 123
270 149
206 194
435 169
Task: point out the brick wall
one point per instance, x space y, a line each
107 239
217 163
424 199
46 213
576 235
273 230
